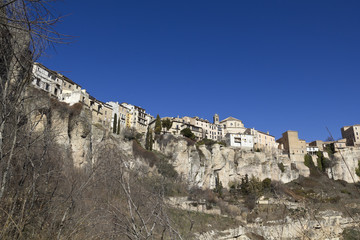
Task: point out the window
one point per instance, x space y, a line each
47 86
38 82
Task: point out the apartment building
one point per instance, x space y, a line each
136 117
351 134
291 143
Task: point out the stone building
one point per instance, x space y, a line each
232 125
291 143
47 80
101 112
351 134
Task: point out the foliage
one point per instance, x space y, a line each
357 170
308 161
205 141
115 123
266 183
322 162
210 142
166 123
330 149
281 167
118 127
351 233
149 140
157 129
186 132
218 186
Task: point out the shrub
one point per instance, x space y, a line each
357 170
266 183
308 161
322 162
186 132
281 167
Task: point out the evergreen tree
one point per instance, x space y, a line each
118 127
157 125
114 123
149 140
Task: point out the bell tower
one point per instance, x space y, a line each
216 119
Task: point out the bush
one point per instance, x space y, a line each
186 132
322 162
266 183
308 161
281 167
357 170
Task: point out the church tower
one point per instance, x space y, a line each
216 119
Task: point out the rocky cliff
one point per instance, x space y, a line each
201 165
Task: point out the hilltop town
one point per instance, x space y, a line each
117 116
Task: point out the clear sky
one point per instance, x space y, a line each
275 65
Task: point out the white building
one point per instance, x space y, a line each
312 149
244 141
47 80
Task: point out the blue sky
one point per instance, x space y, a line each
276 65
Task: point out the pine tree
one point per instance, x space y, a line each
157 125
114 123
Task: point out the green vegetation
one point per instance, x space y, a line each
308 161
114 123
209 142
281 167
218 187
322 162
157 129
330 149
186 132
351 233
357 170
166 123
149 140
118 127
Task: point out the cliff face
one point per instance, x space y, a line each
345 163
202 165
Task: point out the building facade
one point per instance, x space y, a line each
243 141
351 134
291 143
47 80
